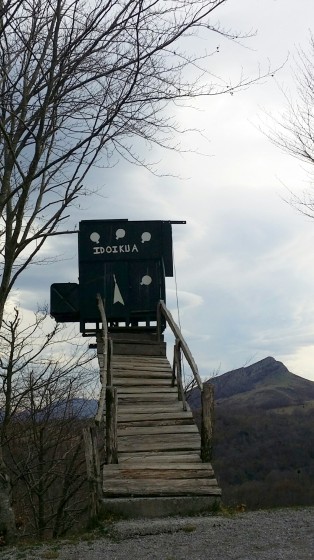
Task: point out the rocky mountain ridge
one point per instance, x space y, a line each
266 384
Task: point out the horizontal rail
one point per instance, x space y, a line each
162 310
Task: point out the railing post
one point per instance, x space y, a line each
111 425
109 362
174 367
102 353
207 400
158 321
93 471
181 395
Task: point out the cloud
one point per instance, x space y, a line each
244 266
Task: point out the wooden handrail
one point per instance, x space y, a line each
177 371
162 310
103 364
206 390
108 393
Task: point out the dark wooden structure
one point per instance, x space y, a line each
155 454
155 450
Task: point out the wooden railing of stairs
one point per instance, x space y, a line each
156 461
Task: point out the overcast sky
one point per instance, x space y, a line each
245 259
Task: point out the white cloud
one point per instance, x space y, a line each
244 261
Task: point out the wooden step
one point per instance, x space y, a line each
146 384
143 420
124 358
152 457
138 399
147 391
157 445
129 374
157 430
140 367
158 442
159 471
157 419
160 487
153 408
145 413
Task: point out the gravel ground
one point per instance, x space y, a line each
286 534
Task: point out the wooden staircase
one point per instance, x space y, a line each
159 469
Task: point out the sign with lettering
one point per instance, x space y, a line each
126 263
106 240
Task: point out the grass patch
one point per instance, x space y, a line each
50 554
189 528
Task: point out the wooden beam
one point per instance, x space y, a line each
157 430
207 400
179 487
111 425
162 471
185 349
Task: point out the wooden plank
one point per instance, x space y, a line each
154 397
145 375
176 467
141 367
142 420
154 472
207 400
162 438
111 425
164 414
142 373
136 371
139 358
148 395
157 445
133 416
141 383
161 368
172 487
165 457
93 471
154 416
147 423
165 464
159 430
154 408
138 390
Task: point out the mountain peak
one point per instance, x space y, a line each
264 384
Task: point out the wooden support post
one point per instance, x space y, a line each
207 399
158 322
174 367
178 368
93 471
181 395
109 362
111 425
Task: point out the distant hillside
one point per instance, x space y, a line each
266 384
264 433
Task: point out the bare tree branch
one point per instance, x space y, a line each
293 132
78 80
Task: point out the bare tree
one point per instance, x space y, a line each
293 132
42 409
78 80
